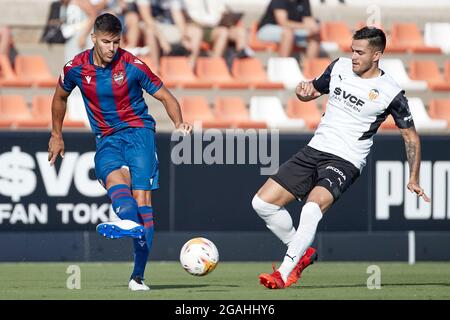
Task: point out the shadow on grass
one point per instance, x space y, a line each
183 286
187 286
300 287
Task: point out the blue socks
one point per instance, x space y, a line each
125 206
123 202
142 247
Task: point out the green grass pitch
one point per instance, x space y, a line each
230 281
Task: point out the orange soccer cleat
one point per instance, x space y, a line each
272 281
306 260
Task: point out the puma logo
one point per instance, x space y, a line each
292 258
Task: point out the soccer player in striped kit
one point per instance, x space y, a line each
126 164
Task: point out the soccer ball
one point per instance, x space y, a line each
199 256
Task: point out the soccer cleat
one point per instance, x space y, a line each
306 260
121 228
272 281
137 284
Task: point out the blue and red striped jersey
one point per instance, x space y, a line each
112 95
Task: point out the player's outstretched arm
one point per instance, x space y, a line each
305 91
173 109
56 143
413 154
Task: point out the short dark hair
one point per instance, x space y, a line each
108 23
375 36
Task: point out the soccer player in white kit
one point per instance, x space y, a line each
361 96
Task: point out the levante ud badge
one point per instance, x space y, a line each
118 77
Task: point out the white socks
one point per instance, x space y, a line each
303 238
277 219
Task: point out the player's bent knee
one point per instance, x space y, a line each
262 208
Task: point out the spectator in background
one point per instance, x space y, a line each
154 40
7 44
290 21
167 31
131 23
56 17
80 17
188 34
209 14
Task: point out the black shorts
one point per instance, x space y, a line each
310 167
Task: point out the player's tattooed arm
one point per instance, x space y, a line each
413 155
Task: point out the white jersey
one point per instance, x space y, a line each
355 109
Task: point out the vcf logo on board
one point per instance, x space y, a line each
391 179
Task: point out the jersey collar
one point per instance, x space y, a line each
108 66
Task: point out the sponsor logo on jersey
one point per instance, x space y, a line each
118 77
373 94
348 96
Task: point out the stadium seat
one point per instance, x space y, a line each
34 68
233 109
4 122
447 71
436 35
270 110
284 70
428 70
251 72
196 109
149 63
390 47
176 72
338 32
422 120
314 67
396 69
41 108
15 112
8 77
308 111
214 71
408 35
257 44
440 109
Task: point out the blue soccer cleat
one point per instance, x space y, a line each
121 228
